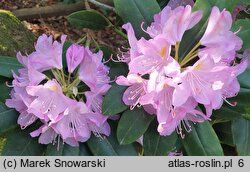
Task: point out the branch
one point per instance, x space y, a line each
102 5
48 11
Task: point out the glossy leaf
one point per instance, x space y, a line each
66 45
244 2
156 145
7 65
193 36
226 113
202 141
233 112
162 3
54 149
84 150
224 133
244 79
112 102
5 92
136 12
176 3
3 80
91 19
101 147
8 119
132 125
62 149
241 136
20 143
109 146
244 34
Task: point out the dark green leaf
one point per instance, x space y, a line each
109 146
70 150
241 136
226 113
8 119
229 5
5 92
132 125
244 34
66 45
162 3
136 12
62 149
156 145
101 147
193 36
224 133
91 19
84 150
112 102
54 149
244 2
244 79
234 112
20 143
7 65
3 80
202 140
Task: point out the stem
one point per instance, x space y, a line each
191 58
102 5
79 93
57 76
119 32
73 83
60 73
81 40
177 51
186 58
69 78
97 45
46 77
87 43
63 75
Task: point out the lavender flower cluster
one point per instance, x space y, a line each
164 84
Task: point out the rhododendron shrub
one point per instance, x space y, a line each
179 85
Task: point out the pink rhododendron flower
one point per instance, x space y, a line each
176 88
53 97
92 71
48 54
74 56
173 23
221 43
49 102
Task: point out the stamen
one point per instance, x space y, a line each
240 28
143 28
186 125
97 133
113 80
247 11
121 58
110 58
8 85
135 104
58 143
231 104
125 48
182 135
